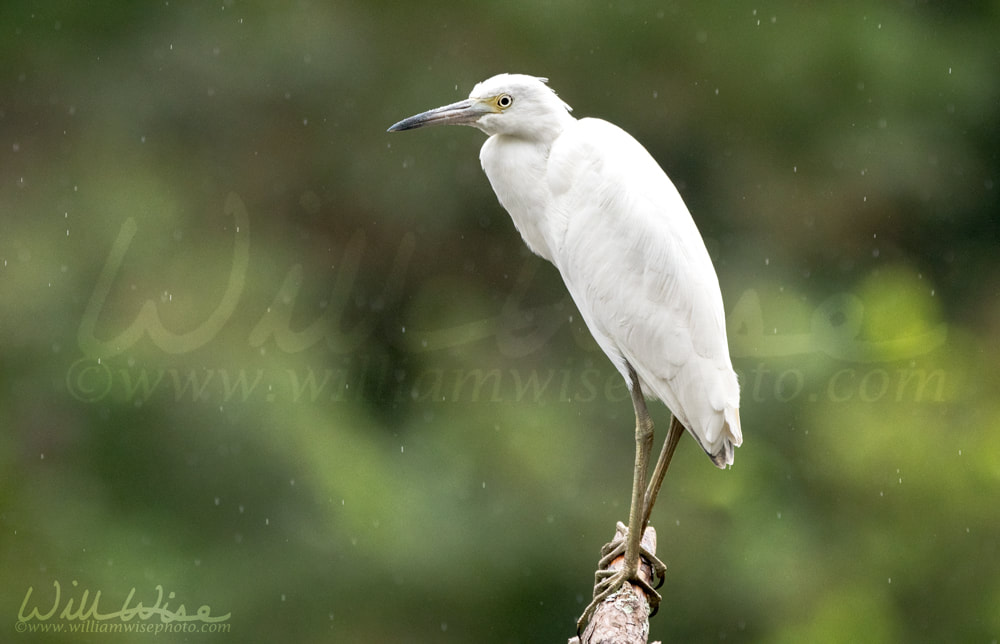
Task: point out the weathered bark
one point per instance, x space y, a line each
623 618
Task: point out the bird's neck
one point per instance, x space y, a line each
516 168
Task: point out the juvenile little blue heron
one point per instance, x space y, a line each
590 199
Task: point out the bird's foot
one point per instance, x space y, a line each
615 549
614 572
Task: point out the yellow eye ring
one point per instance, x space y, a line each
504 101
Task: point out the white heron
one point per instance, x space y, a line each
589 198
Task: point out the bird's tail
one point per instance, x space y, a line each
731 437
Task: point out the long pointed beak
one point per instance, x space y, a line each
465 112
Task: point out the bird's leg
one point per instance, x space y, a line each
669 445
607 582
611 551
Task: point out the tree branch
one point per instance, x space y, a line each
623 618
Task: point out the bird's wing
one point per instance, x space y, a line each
642 278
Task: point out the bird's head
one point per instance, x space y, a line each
511 104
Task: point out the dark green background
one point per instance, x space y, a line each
840 160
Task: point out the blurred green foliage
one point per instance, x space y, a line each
389 423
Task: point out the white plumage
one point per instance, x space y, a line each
589 198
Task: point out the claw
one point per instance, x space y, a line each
615 549
610 578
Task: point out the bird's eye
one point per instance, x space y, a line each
505 100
